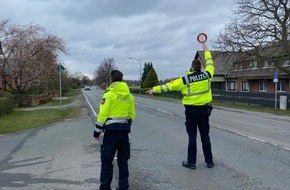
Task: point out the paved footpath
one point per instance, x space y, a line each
60 156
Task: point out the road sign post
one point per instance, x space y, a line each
60 68
275 80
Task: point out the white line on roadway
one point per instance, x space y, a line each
162 111
261 140
90 104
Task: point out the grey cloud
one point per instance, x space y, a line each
87 11
163 32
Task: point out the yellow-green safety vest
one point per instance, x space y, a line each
117 105
195 86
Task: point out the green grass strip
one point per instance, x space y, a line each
23 120
256 108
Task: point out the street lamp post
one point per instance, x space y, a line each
140 72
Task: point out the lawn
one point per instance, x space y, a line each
254 108
23 120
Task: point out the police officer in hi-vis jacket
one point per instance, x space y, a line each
195 87
116 113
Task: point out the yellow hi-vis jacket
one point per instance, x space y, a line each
117 106
195 86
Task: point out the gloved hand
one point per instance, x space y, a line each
96 134
130 122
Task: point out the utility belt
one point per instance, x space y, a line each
205 106
193 106
116 120
117 125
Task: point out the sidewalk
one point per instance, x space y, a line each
73 136
10 141
12 144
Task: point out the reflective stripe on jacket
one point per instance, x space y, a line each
195 86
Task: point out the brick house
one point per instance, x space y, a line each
255 77
246 76
10 79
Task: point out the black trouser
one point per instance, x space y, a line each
117 141
197 116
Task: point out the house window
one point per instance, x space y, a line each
245 86
266 64
236 67
262 85
231 85
254 64
286 63
281 86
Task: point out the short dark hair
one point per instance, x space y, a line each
196 65
116 75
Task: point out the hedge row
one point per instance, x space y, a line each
7 103
25 100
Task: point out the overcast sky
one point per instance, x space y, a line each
159 31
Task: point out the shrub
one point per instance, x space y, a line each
45 99
23 100
7 103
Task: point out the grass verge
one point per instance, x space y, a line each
23 120
256 108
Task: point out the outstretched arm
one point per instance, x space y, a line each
204 47
149 91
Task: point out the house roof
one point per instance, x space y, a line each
225 63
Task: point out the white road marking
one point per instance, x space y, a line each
90 104
260 140
162 111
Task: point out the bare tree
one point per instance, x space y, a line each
30 55
261 30
102 73
86 81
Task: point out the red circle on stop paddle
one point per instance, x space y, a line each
201 38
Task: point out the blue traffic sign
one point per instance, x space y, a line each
275 76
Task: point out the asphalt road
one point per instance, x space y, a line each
251 151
